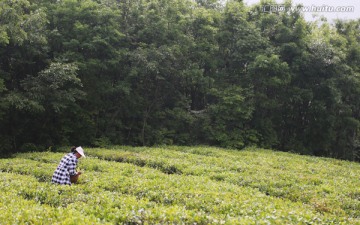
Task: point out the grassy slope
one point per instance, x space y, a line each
182 185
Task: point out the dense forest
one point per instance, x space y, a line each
184 72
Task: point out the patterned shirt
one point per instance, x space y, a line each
65 169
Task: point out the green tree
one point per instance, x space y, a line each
269 77
229 117
89 34
23 52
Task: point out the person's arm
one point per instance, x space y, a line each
72 168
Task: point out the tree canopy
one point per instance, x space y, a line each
185 72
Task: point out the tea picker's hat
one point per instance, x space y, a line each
80 150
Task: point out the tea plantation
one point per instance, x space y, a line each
181 185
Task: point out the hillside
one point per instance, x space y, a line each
181 185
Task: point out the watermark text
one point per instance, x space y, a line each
313 8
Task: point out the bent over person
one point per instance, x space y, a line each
66 173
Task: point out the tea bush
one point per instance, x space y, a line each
181 185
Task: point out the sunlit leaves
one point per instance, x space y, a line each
216 186
21 23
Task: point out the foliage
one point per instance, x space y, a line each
150 72
127 185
